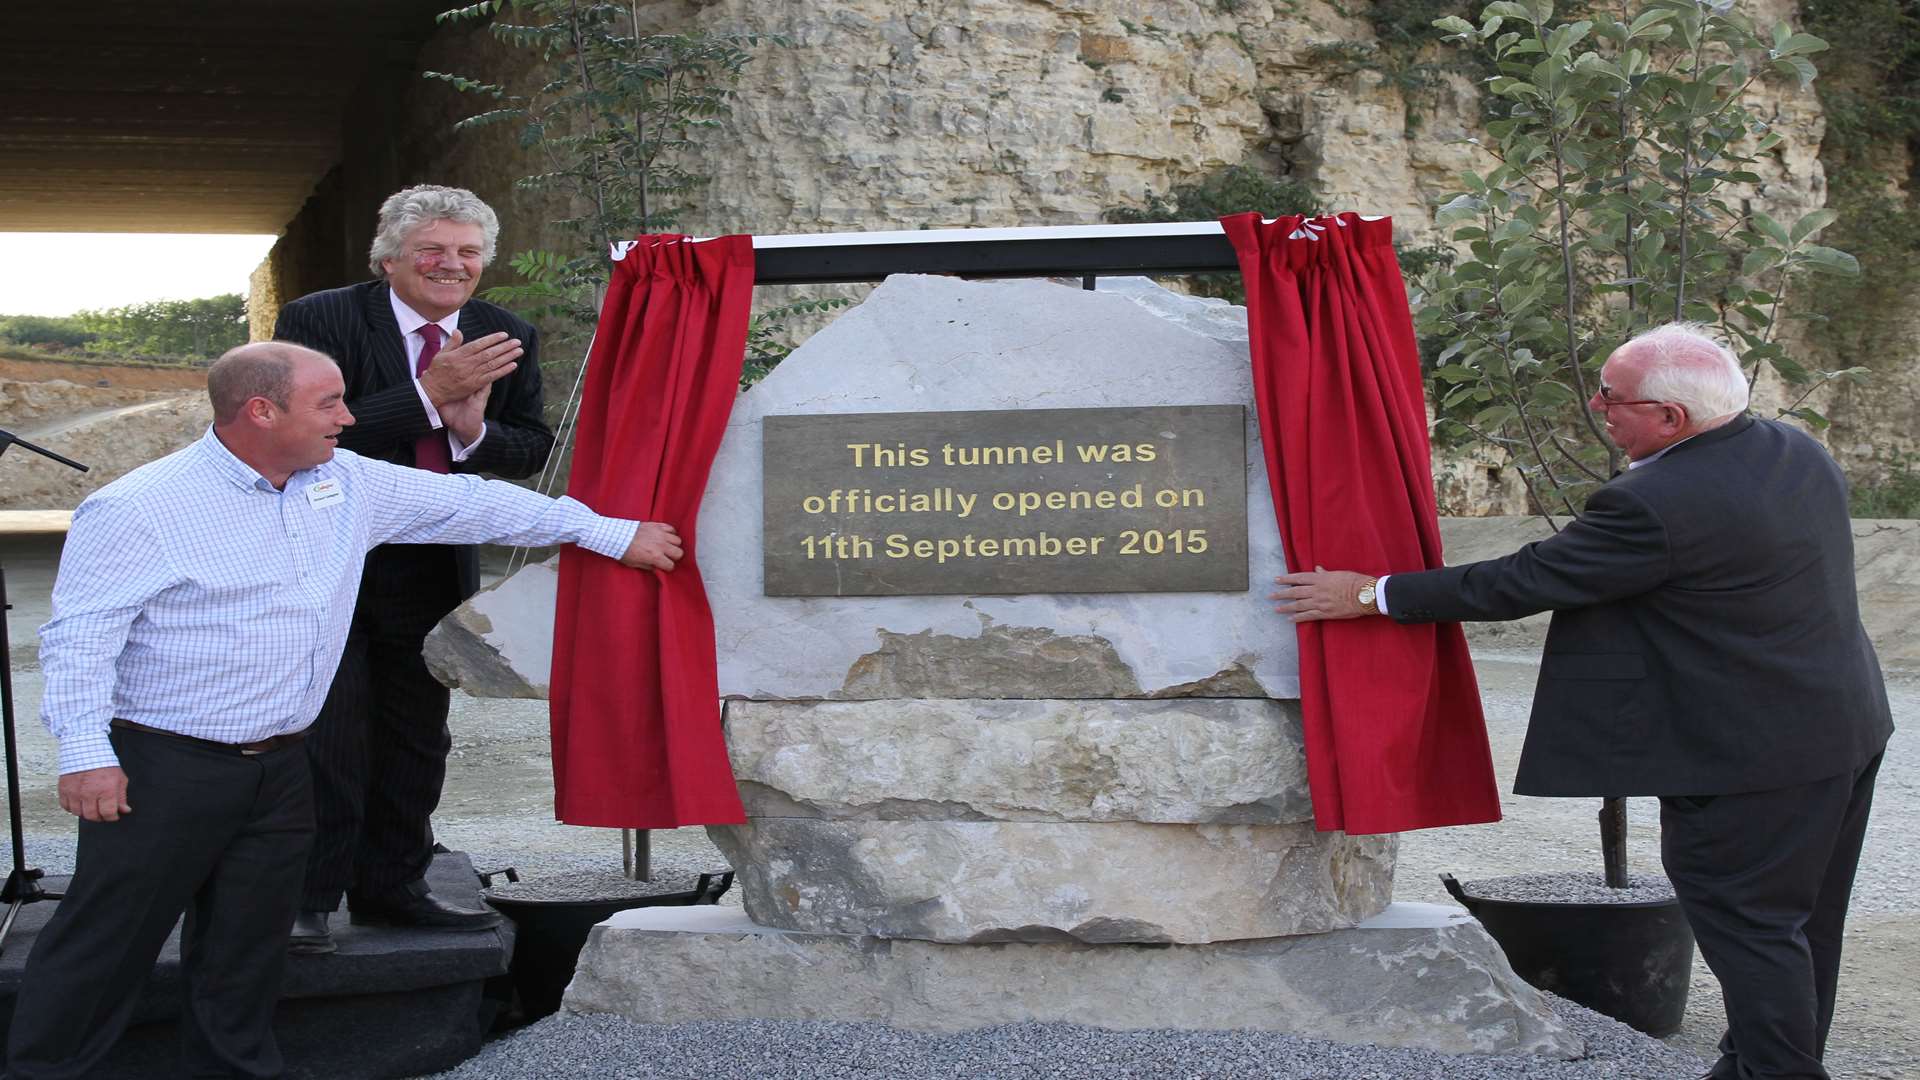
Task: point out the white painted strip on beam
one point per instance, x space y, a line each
789 241
985 236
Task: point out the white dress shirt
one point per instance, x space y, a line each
195 597
410 323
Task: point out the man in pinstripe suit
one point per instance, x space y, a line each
439 381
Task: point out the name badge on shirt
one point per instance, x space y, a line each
325 493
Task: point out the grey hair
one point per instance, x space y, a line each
405 211
1689 368
260 369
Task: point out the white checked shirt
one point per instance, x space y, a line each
194 597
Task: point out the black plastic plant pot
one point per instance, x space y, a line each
1632 962
549 934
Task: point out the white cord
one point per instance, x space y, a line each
562 441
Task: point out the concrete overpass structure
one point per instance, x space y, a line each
215 116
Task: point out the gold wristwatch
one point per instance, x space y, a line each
1369 593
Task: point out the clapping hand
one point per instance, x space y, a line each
464 367
467 416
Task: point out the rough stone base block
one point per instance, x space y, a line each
1417 975
1100 881
1238 761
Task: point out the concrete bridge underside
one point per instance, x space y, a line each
191 115
285 117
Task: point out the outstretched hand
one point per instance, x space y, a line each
1320 594
655 546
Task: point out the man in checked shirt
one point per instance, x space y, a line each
200 610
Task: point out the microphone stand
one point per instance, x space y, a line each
23 884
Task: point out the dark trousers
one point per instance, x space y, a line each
213 833
1764 878
379 747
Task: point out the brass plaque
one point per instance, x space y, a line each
1019 501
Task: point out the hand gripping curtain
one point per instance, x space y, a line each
635 694
1394 733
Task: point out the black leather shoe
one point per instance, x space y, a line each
310 936
425 912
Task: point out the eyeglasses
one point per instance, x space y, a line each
1607 399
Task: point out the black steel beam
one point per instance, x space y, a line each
994 253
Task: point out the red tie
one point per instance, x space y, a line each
430 451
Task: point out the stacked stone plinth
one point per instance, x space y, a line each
1129 863
993 820
967 809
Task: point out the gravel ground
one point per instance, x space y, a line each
612 1047
498 808
1586 887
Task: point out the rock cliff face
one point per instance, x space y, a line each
882 114
985 112
943 113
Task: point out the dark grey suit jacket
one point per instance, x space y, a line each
355 326
1706 635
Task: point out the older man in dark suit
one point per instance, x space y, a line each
1706 648
443 382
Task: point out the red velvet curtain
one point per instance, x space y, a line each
635 694
1395 736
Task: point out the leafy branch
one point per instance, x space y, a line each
614 123
1619 142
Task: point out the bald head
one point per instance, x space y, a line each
279 408
262 369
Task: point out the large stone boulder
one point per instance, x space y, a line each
975 881
994 820
1419 975
1190 760
939 343
499 644
943 344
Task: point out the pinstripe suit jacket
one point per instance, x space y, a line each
355 326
